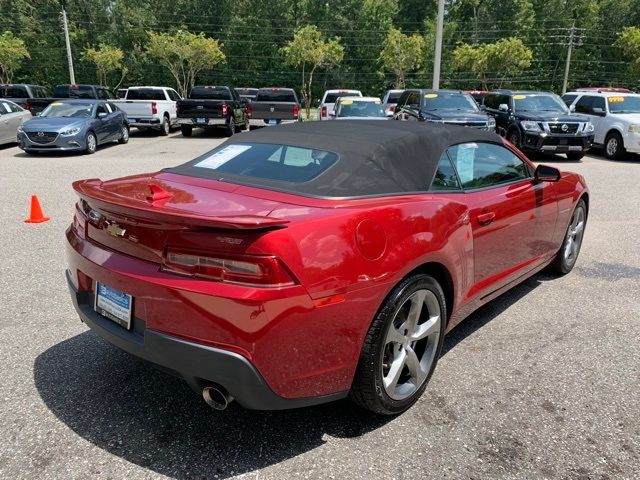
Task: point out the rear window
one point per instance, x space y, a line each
247 92
145 94
275 95
210 93
13 92
332 97
281 163
77 91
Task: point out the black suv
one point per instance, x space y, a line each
442 106
539 122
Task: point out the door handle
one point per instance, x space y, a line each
486 218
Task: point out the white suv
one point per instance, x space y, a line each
615 116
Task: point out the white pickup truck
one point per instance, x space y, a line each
329 99
150 107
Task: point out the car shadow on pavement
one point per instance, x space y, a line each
128 408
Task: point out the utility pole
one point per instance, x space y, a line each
438 49
68 43
568 65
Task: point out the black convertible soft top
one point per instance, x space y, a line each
374 157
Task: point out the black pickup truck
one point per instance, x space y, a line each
35 98
539 122
274 106
212 107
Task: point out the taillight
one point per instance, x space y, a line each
225 109
154 108
27 105
79 222
249 110
256 270
296 111
324 111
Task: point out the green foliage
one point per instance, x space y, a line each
402 53
309 51
185 54
106 59
493 62
629 43
12 52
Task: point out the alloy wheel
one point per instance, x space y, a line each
612 147
575 233
125 133
411 344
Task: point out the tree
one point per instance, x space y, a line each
492 62
629 42
185 54
12 52
309 50
106 59
402 53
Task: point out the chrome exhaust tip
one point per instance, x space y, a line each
216 398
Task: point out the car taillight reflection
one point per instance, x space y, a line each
255 270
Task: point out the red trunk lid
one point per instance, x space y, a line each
142 215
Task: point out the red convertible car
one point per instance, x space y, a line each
310 262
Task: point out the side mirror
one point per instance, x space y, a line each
598 111
482 107
102 115
503 107
546 173
572 108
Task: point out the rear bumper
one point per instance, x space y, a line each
208 122
199 365
145 122
264 122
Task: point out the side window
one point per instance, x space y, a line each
568 99
101 109
482 165
402 101
4 108
598 102
504 99
414 101
445 177
173 95
583 105
491 101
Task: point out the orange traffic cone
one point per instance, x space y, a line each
36 215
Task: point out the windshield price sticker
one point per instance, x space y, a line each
616 99
347 102
431 95
519 97
221 157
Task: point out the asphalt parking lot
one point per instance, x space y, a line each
543 382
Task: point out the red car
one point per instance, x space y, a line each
310 262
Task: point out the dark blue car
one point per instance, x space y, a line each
74 125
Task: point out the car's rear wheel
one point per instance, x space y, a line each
568 254
91 143
186 130
402 347
575 156
245 126
124 134
165 128
614 146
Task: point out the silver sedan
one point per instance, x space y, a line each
11 117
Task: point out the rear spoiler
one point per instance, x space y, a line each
110 202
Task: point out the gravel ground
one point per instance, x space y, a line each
543 382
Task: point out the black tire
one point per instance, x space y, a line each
614 146
165 127
368 389
575 156
91 145
124 135
231 127
514 137
562 265
186 130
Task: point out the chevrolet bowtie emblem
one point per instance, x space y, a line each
115 230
